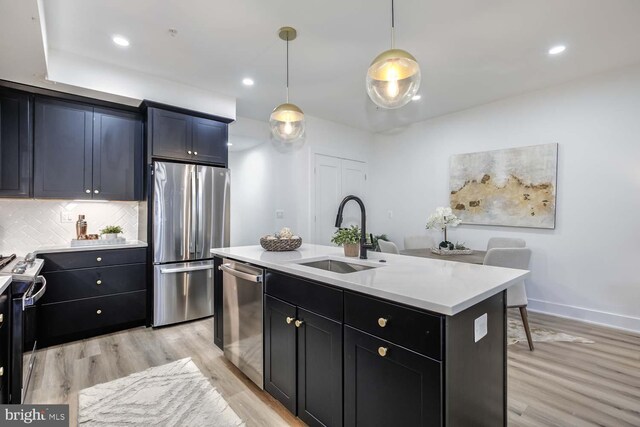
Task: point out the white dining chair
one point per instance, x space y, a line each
516 294
388 247
418 242
505 242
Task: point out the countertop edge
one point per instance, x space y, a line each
389 296
5 281
68 248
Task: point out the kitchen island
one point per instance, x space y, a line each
392 340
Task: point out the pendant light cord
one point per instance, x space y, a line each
393 26
287 68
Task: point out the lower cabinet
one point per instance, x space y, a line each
303 362
386 385
91 293
5 344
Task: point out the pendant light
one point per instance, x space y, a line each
393 77
287 120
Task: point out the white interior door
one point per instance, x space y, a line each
336 178
354 177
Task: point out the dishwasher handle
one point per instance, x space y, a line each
226 268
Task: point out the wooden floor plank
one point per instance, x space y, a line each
558 384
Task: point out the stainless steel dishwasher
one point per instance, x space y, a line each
242 318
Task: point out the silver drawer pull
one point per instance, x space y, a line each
99 312
87 191
195 152
98 282
1 318
1 371
99 259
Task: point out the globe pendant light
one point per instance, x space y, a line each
287 120
393 77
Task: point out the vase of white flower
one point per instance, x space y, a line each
440 220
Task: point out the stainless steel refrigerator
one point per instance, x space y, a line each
190 216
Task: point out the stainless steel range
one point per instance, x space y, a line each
27 287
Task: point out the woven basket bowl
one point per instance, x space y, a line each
280 245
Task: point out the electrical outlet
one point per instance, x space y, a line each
66 217
279 214
390 214
480 327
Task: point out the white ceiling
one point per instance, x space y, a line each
471 52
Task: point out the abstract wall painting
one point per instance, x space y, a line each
514 187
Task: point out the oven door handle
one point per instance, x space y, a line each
28 300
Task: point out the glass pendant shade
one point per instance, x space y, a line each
287 123
393 78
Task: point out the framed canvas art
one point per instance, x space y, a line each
513 187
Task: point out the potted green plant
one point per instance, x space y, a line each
110 232
349 238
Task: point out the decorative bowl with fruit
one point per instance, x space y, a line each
282 241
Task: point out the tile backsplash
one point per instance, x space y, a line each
26 225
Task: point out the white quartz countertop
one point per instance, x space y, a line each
68 248
5 281
444 287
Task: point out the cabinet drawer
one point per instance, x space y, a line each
88 259
410 328
93 282
312 296
91 316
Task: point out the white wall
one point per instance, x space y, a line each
586 267
266 178
27 225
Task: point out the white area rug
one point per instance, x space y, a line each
176 394
516 333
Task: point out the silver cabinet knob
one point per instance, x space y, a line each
99 259
99 312
87 191
195 152
1 371
189 152
1 319
98 282
96 191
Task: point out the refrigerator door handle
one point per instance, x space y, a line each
185 269
193 244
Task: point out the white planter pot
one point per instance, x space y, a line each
109 236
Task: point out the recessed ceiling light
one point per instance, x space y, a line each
557 49
120 41
229 144
416 97
247 81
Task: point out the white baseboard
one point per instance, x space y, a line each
618 321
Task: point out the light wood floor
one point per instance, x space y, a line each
559 384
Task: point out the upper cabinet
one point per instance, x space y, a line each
15 144
181 136
86 153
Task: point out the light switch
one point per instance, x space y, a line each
480 327
279 213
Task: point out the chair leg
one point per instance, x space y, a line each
525 322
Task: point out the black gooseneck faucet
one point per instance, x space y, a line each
363 226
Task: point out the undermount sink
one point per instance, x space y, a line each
337 266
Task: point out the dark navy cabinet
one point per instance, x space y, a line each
15 144
303 348
179 136
335 357
90 293
86 153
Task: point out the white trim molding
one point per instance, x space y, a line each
613 320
